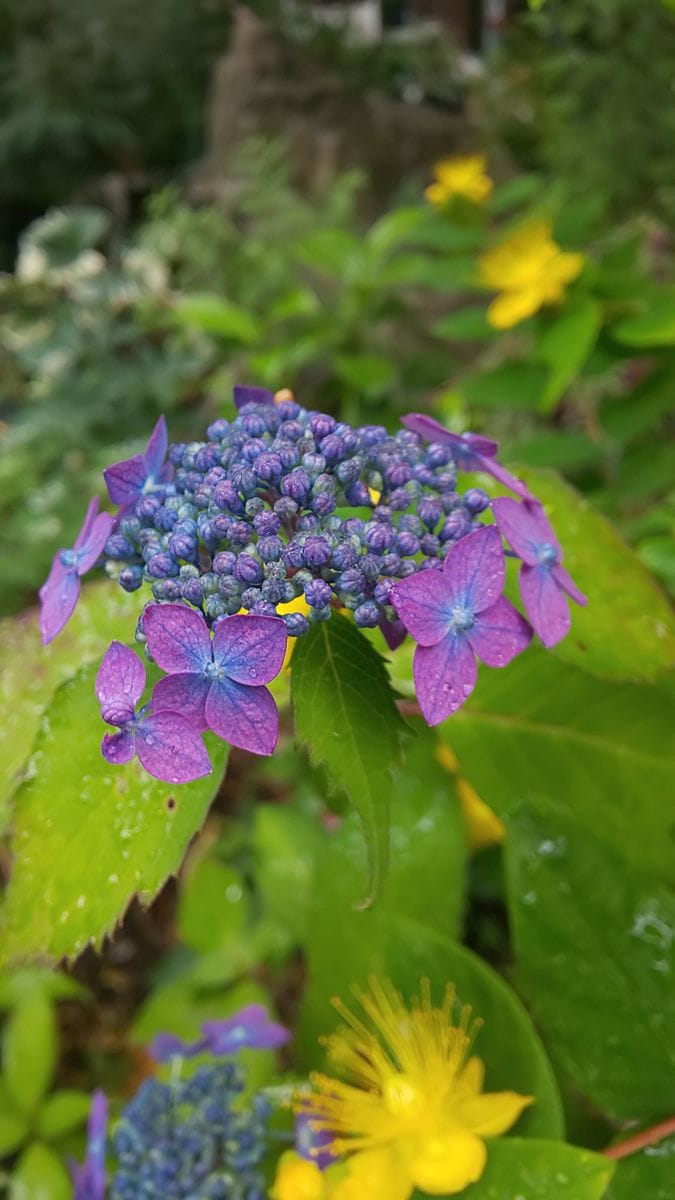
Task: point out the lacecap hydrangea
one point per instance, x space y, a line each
282 516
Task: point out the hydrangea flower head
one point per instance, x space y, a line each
463 175
544 582
250 1028
132 477
410 1112
166 743
529 270
89 1178
456 614
60 591
218 682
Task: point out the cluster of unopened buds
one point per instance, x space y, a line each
281 517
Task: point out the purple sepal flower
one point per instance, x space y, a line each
218 683
60 591
167 745
455 615
544 582
252 395
89 1177
130 478
311 1142
471 451
250 1028
394 632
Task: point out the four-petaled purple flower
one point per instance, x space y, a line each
544 582
168 746
130 478
250 1028
252 395
218 683
60 591
89 1177
471 451
456 614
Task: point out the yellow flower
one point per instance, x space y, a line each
410 1112
529 270
297 1179
483 827
464 176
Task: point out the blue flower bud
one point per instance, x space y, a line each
333 448
208 456
217 430
370 566
215 606
147 506
373 435
429 511
291 430
476 500
268 467
323 504
192 591
293 553
167 589
270 548
248 570
253 424
379 537
273 591
249 597
316 551
297 485
118 547
252 449
429 544
223 562
296 624
130 578
209 581
456 525
182 545
321 425
239 533
318 593
357 494
160 566
407 543
344 556
229 587
314 464
438 455
367 615
349 471
265 523
423 475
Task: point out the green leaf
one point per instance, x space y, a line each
286 842
563 740
394 228
20 984
407 936
14 1126
565 345
626 631
212 314
653 325
438 273
520 1169
594 938
30 673
640 411
89 836
62 1113
465 325
365 373
29 1052
212 908
345 713
648 1174
329 251
516 191
40 1175
513 385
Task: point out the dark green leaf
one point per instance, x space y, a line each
62 1113
345 713
653 325
519 1169
565 345
89 836
594 938
29 1052
212 314
466 325
212 909
646 1176
513 385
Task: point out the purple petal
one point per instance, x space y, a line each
89 518
89 1180
525 528
251 1027
424 605
394 632
184 694
118 748
97 537
58 596
178 638
155 451
545 604
497 471
250 649
170 749
432 431
245 717
566 582
474 569
445 676
252 395
312 1143
125 480
119 684
499 633
165 1046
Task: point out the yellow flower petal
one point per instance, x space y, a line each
483 826
465 176
297 1179
447 1164
492 1112
374 1175
437 194
473 1077
510 308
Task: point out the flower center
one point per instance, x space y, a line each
213 671
70 558
547 554
402 1098
462 618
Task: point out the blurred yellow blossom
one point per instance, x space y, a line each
297 1179
412 1114
483 827
464 176
529 270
